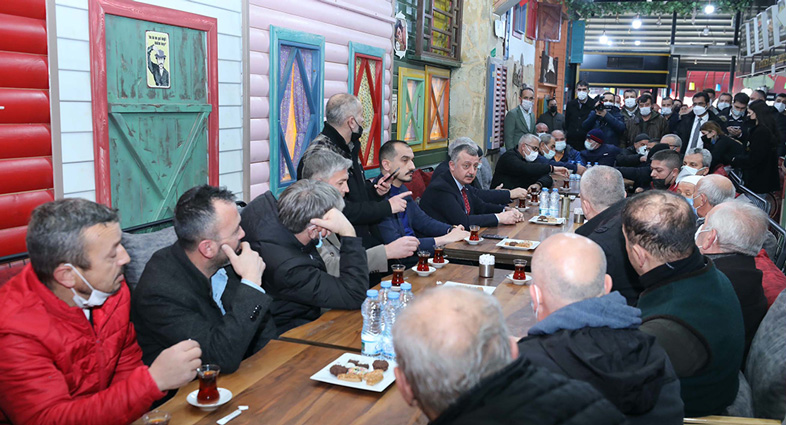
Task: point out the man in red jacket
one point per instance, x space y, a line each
69 350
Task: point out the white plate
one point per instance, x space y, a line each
224 395
473 242
560 221
487 289
324 375
518 281
503 244
438 265
424 274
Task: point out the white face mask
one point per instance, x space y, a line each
531 156
608 104
723 105
699 110
737 113
665 110
699 231
97 297
526 105
780 106
541 134
645 110
588 144
642 150
560 146
630 103
582 95
549 154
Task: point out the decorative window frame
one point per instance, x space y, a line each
303 40
429 143
424 50
373 53
405 75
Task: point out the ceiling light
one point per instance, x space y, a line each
610 43
637 42
709 9
636 24
603 38
706 31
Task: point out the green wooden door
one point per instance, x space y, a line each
157 128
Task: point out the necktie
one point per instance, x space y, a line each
466 199
696 133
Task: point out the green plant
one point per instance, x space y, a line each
583 9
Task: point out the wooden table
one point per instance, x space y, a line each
341 328
461 250
275 384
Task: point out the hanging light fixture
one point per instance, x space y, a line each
603 38
636 24
706 31
637 42
658 23
709 9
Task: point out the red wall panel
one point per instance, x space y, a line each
22 175
20 34
25 140
24 106
12 241
35 9
24 71
15 209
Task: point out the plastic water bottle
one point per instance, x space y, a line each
389 314
554 203
543 201
406 296
372 323
383 293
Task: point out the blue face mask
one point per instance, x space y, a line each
319 244
690 201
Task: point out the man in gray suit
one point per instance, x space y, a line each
520 120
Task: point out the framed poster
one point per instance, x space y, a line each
157 44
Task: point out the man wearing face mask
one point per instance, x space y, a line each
65 334
520 120
607 119
552 118
688 305
587 332
665 167
629 104
576 112
780 121
521 168
645 121
636 154
689 129
565 152
597 150
365 205
286 233
548 154
736 120
669 109
724 103
695 163
711 94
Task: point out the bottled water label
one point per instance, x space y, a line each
370 344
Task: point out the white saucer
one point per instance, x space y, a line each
473 242
424 274
224 395
517 281
438 265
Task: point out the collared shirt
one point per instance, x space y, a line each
526 116
699 143
219 283
458 184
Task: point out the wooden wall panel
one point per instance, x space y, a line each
25 140
23 71
24 106
25 174
22 34
15 209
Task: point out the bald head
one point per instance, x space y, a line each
568 268
446 342
340 107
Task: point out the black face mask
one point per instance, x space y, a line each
552 109
660 183
356 135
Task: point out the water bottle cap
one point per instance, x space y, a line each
372 293
554 189
406 286
386 284
393 295
545 189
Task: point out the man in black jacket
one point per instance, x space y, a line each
689 128
576 112
285 233
457 363
365 206
199 288
519 168
552 118
602 199
588 333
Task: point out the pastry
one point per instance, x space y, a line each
380 365
337 369
350 377
374 377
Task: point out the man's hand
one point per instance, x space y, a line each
499 187
580 169
639 190
602 113
383 185
248 265
519 193
456 234
534 187
643 158
176 366
562 171
509 217
335 221
398 203
402 247
734 131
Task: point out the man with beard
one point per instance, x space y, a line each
205 287
396 158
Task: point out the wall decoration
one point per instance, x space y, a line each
549 22
401 34
548 69
158 67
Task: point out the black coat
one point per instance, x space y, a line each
295 275
442 200
364 207
605 229
760 163
630 158
492 196
685 128
514 171
723 150
555 122
524 394
575 115
174 302
627 366
747 281
741 122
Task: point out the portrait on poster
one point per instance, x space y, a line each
158 67
400 36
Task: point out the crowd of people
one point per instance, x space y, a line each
618 335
